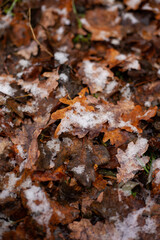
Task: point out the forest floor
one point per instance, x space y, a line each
80 120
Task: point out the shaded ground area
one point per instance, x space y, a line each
80 120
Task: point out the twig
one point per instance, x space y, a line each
34 36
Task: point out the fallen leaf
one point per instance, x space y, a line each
83 155
95 75
132 160
28 51
102 23
41 89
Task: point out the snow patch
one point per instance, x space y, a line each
110 86
54 146
131 17
96 74
129 228
63 77
67 141
5 87
121 57
9 187
79 170
39 205
61 57
126 92
133 3
24 63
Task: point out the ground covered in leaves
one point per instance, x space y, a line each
80 120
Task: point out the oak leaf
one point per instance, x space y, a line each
132 160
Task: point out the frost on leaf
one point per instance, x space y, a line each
95 75
132 160
41 89
87 114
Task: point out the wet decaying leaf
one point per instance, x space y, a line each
82 156
80 120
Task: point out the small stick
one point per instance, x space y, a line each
34 36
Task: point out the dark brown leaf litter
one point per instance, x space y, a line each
79 120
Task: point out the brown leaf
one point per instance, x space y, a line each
83 155
41 89
28 51
102 24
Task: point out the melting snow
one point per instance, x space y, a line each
9 187
67 141
96 74
63 77
5 87
79 170
39 205
131 17
133 3
129 228
156 165
24 63
126 92
110 86
54 146
61 57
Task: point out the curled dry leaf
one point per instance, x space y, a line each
132 160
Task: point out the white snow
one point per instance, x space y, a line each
129 228
21 152
121 57
147 103
31 107
134 65
79 117
63 77
4 225
54 146
126 92
134 149
115 41
95 74
131 17
61 92
60 32
85 22
156 165
5 81
9 187
34 89
24 63
79 170
39 205
110 86
61 57
67 141
133 3
5 21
